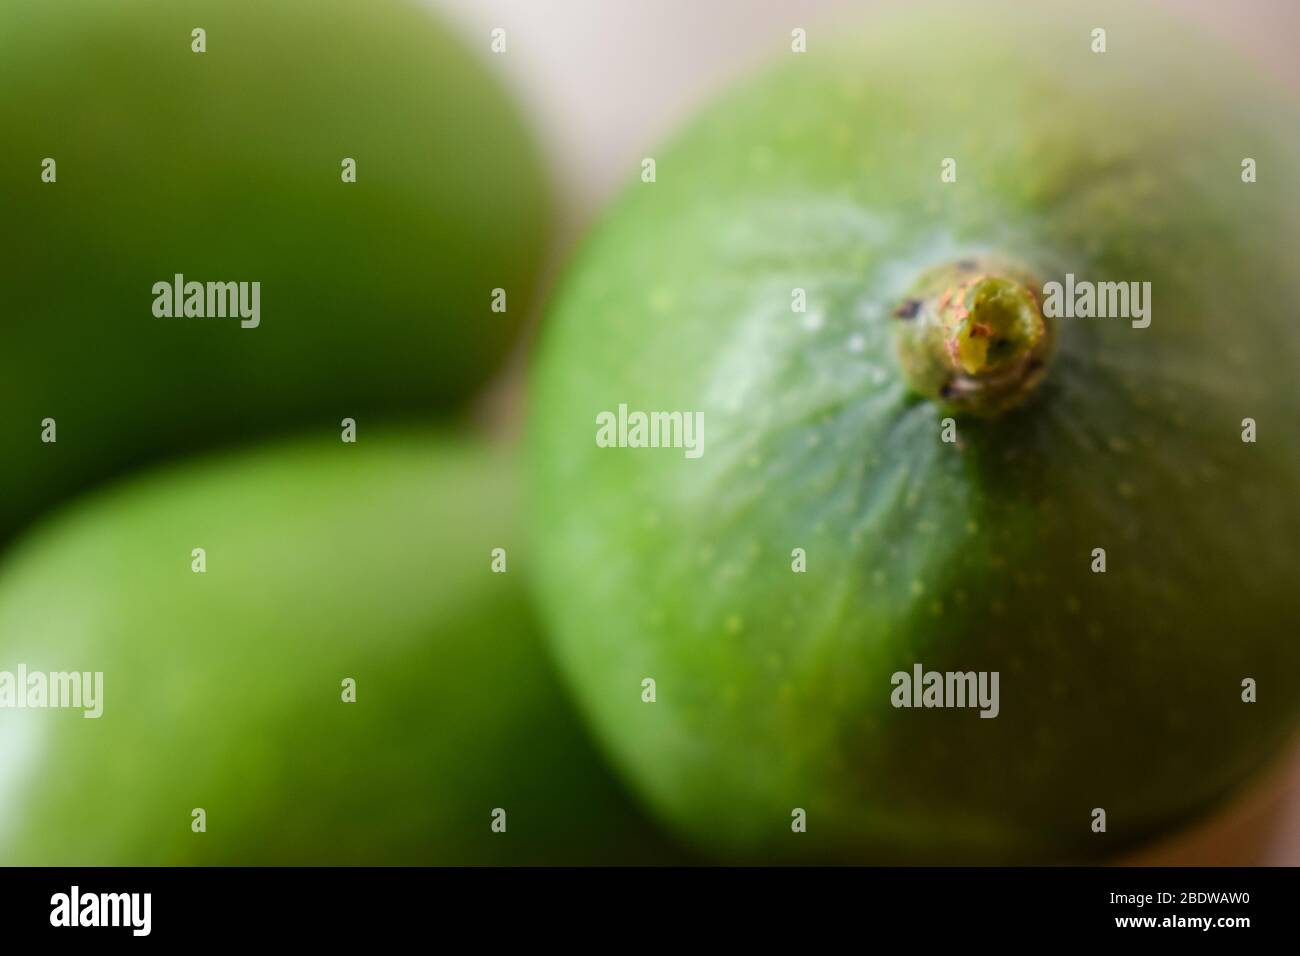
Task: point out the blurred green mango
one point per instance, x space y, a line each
224 690
375 296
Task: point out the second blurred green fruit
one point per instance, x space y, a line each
228 165
224 690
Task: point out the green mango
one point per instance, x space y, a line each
375 296
871 492
223 690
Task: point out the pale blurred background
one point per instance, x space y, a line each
605 81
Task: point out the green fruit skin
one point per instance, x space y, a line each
222 690
1120 690
226 166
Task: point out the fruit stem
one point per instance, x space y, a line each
973 337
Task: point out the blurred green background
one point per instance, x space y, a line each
391 564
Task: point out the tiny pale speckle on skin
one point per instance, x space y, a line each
661 300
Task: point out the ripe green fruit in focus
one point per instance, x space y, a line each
824 435
223 690
376 296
